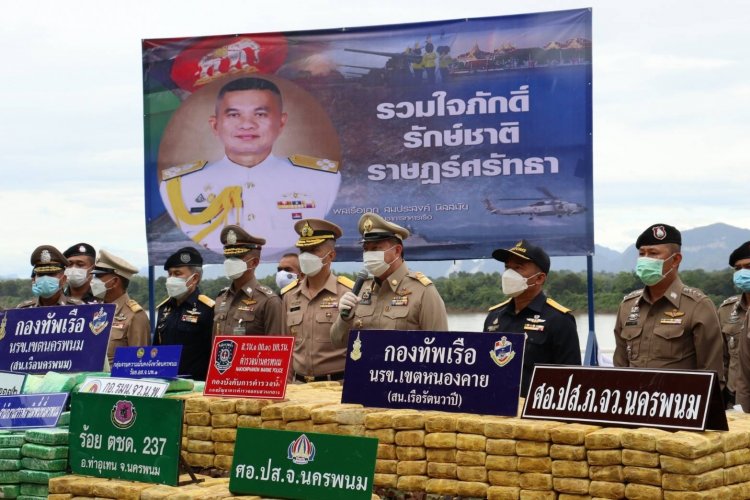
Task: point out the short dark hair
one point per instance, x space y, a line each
248 83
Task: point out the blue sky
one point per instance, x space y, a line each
671 103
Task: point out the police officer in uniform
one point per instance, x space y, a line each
395 298
81 257
734 321
249 186
48 279
311 304
186 317
245 307
666 324
130 326
551 334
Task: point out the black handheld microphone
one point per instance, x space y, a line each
361 277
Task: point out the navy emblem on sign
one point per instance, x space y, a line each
503 352
224 355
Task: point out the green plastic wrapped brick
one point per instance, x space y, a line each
9 477
64 419
10 453
30 497
11 440
180 384
31 450
60 382
37 476
9 490
10 464
50 436
41 464
31 386
38 490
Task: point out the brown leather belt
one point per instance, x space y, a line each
319 378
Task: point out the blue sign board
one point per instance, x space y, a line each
28 411
147 361
447 371
57 338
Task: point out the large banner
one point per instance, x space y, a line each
470 133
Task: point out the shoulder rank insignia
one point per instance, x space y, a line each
179 170
501 304
345 281
730 300
422 278
266 290
693 292
557 306
134 306
206 300
314 163
633 294
289 287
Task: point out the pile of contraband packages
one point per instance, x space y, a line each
437 455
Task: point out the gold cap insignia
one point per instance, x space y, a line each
231 237
367 226
307 231
46 258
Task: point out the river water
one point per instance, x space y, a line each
604 325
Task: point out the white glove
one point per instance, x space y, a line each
347 304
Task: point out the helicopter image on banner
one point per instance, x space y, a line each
547 206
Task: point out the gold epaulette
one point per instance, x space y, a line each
179 170
558 306
345 281
162 302
314 163
134 306
730 300
501 304
421 278
289 286
205 299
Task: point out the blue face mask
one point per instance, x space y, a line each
742 279
45 286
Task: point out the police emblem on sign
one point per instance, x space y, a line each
123 414
503 352
225 355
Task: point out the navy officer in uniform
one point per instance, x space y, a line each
249 186
395 298
312 303
551 334
245 307
81 257
48 279
186 317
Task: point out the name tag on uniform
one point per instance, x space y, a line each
118 325
366 298
245 308
295 308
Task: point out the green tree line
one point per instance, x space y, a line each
465 292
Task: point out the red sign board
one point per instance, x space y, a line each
249 367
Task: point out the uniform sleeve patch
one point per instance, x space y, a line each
730 300
633 294
322 164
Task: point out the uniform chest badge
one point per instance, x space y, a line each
674 313
249 302
400 301
120 317
671 321
533 327
403 292
536 319
503 352
329 303
295 201
366 298
189 318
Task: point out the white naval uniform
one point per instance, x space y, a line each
274 195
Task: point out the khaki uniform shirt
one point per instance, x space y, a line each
130 326
253 310
742 382
732 317
679 330
64 300
406 301
309 318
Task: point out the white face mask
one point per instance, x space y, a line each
374 262
310 264
177 287
283 278
98 288
514 284
77 276
234 268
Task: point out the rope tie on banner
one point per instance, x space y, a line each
218 210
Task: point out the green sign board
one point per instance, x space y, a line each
126 437
303 465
